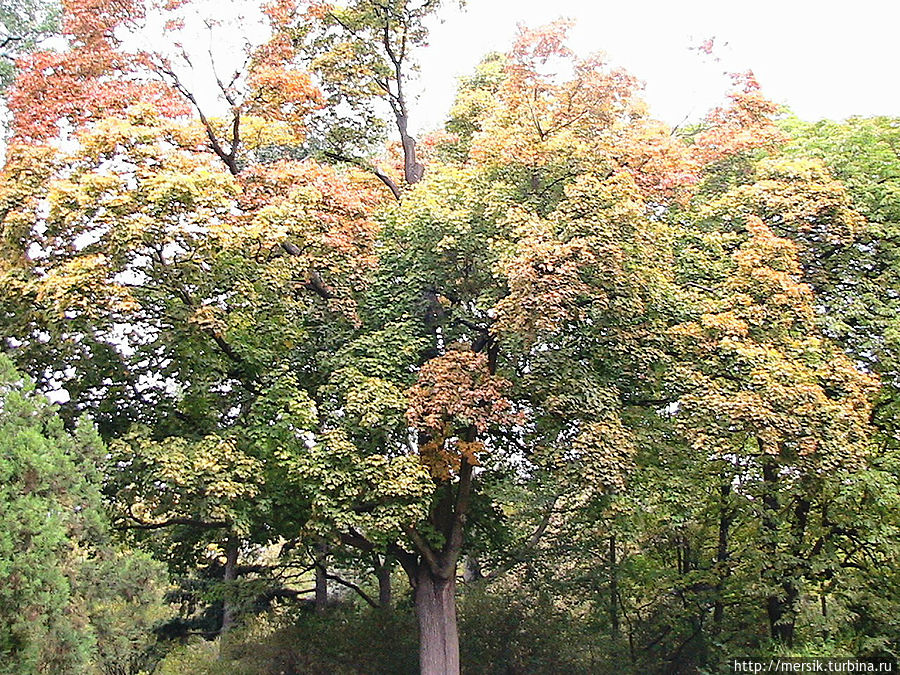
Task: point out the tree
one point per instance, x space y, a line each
466 258
777 394
861 154
362 55
162 247
148 270
70 601
860 295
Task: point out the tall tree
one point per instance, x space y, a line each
362 55
862 154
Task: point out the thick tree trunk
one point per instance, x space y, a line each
435 600
433 576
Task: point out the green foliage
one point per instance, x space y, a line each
505 630
70 602
346 642
24 24
862 154
362 54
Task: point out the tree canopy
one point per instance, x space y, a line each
629 390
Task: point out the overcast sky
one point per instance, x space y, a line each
822 59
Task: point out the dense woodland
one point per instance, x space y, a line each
553 389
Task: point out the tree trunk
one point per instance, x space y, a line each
780 607
433 576
613 587
435 599
781 614
231 556
321 579
383 574
784 630
725 518
412 169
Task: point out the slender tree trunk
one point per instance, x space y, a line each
779 606
783 607
383 574
231 557
412 169
435 599
722 552
613 587
784 630
780 610
321 603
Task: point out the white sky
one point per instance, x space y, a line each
823 59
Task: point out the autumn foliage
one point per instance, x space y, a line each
551 345
455 402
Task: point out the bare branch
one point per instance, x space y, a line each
227 157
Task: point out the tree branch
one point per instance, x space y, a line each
356 540
529 544
379 173
424 549
354 587
460 509
227 157
193 522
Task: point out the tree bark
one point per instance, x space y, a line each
433 576
435 598
725 518
613 587
231 557
383 574
321 602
